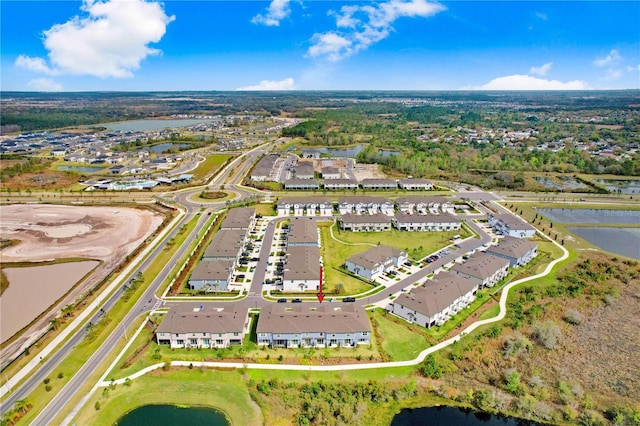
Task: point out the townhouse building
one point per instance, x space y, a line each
508 224
376 261
426 222
517 251
376 222
482 268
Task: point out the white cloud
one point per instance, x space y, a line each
276 12
286 84
542 16
612 58
361 26
44 85
541 70
527 82
33 64
111 40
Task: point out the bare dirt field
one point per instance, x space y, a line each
367 171
49 232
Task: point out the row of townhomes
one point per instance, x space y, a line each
301 266
188 326
446 294
372 263
316 327
508 224
404 222
343 184
215 270
360 205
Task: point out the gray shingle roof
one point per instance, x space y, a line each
279 318
481 265
513 247
374 256
208 320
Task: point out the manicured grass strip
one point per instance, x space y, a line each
225 391
399 341
210 165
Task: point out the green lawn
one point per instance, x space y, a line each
210 165
416 244
399 341
225 391
334 254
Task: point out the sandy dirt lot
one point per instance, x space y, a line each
367 171
50 232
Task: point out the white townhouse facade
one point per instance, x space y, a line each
517 251
192 326
426 222
340 184
433 303
301 184
312 206
365 205
423 205
376 222
483 268
376 261
508 224
378 184
415 184
313 326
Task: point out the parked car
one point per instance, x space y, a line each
296 300
282 300
349 299
255 259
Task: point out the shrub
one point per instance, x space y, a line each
573 317
46 381
547 333
430 368
97 405
60 375
48 388
515 344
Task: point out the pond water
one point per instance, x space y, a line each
592 216
147 125
624 241
350 152
620 186
33 289
387 153
81 169
171 415
563 183
165 147
451 416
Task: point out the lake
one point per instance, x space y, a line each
350 152
592 216
171 415
562 183
81 169
620 186
164 147
33 289
147 125
452 416
623 241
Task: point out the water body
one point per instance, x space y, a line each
148 125
620 186
452 416
592 216
165 147
624 241
350 152
171 415
81 169
563 183
387 153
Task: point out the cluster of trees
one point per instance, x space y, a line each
24 165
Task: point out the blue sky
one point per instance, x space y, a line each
314 45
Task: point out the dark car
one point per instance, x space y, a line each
255 259
282 300
349 299
296 300
243 261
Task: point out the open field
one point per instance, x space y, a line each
210 165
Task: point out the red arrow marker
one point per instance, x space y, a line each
320 295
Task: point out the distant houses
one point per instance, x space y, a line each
303 326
